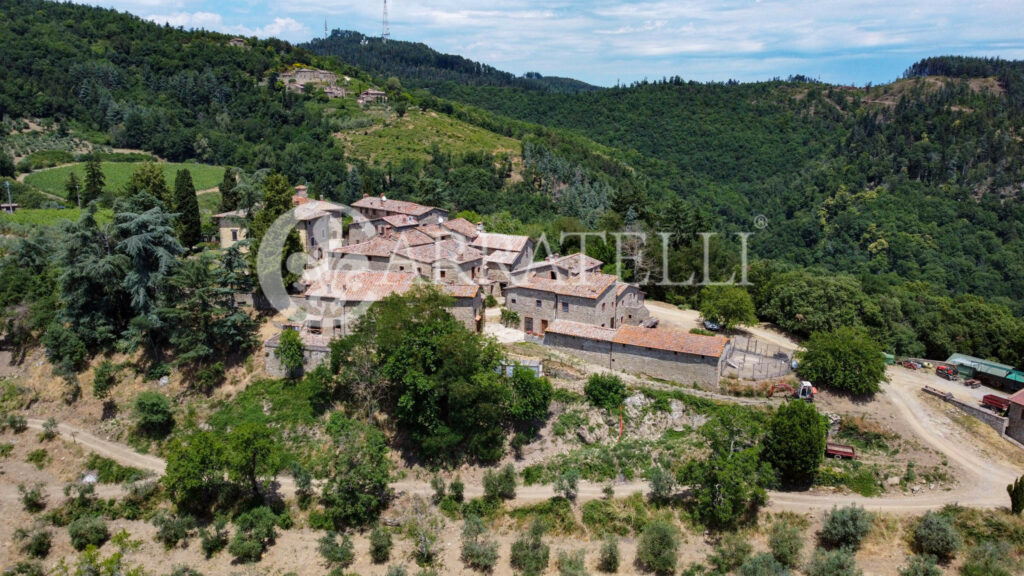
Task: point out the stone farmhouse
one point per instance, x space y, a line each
296 80
372 96
231 228
659 353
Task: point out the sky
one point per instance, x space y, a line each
606 42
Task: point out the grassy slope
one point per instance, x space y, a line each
118 173
51 216
413 135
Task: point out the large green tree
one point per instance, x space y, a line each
227 187
186 205
277 200
795 443
149 178
357 472
846 359
253 455
729 306
94 180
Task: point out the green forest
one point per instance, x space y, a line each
895 207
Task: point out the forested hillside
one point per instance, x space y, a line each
420 66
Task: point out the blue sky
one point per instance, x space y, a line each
607 41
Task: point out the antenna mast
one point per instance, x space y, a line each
325 28
386 30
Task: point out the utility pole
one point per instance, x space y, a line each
10 203
79 194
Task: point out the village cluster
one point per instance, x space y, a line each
565 302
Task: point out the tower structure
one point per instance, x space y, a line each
385 33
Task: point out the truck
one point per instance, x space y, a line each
947 372
995 403
840 451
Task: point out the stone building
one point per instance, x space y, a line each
658 353
336 300
539 301
378 214
376 253
231 228
316 352
442 262
1015 417
503 254
372 96
469 305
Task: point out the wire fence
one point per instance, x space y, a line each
753 359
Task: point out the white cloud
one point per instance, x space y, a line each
286 28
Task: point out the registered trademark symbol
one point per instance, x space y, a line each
760 221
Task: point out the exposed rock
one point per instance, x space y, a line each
585 436
893 481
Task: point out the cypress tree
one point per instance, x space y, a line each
228 193
1016 492
186 204
73 187
94 180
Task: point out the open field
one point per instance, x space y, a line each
413 135
117 175
51 216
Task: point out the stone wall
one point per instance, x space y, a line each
593 351
467 309
1015 427
666 365
599 312
312 357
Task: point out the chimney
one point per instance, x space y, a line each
440 220
365 195
383 198
479 226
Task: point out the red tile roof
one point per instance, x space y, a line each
590 286
1018 398
461 290
503 257
435 231
671 340
449 250
462 226
377 246
506 242
361 285
580 330
577 263
394 206
401 220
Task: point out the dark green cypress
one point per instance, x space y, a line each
186 204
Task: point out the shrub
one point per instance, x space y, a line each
209 378
104 378
529 554
50 430
6 448
397 570
845 527
478 552
730 553
662 483
380 545
500 484
153 414
17 423
25 569
568 483
490 301
35 543
337 554
795 443
786 542
457 490
572 563
88 531
438 485
255 531
656 550
1016 492
32 498
38 457
934 534
213 538
605 391
608 559
110 472
763 565
990 559
839 562
921 566
173 528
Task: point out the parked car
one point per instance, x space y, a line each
910 364
713 326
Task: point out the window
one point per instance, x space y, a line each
553 275
602 306
538 304
234 235
401 268
513 299
442 274
565 306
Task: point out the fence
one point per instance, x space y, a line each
753 359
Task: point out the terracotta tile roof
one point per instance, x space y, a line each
449 250
1018 398
435 231
462 226
412 238
395 206
401 220
361 285
671 340
506 242
232 214
503 257
580 330
461 290
377 246
577 263
590 286
309 212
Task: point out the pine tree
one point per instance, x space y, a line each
73 187
189 227
94 180
228 194
150 178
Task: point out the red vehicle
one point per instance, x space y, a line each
996 403
947 372
840 451
910 364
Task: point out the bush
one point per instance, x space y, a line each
39 457
730 553
500 484
457 490
25 569
173 528
17 423
32 498
88 531
656 550
255 531
153 414
50 430
110 472
1016 492
572 563
439 487
213 538
921 566
568 483
990 559
786 542
847 359
934 534
795 443
845 527
35 544
605 391
104 378
397 570
380 545
490 301
209 378
763 565
608 559
529 554
478 552
839 562
336 554
662 483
